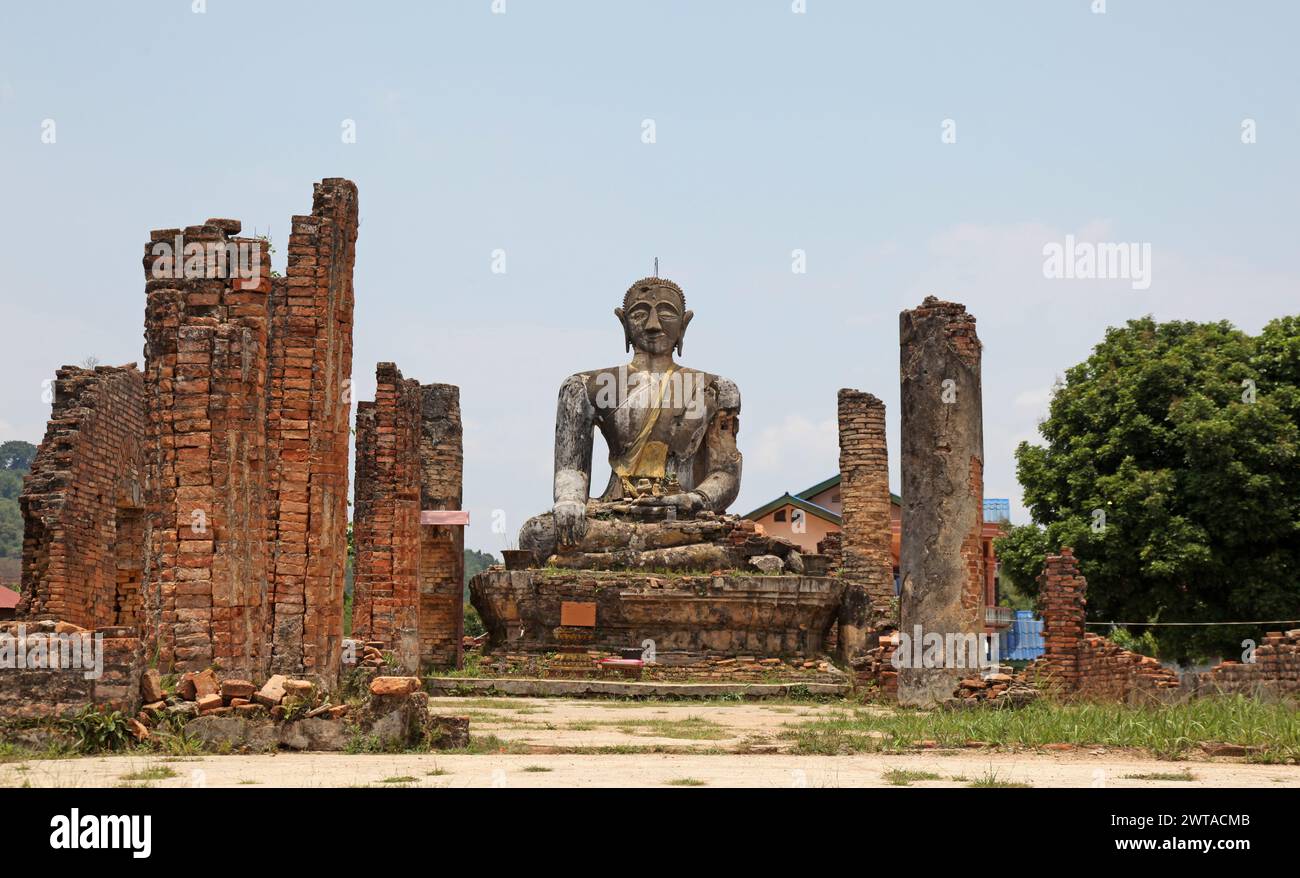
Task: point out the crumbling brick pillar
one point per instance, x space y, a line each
867 566
941 564
442 547
309 393
386 517
408 579
206 329
1062 602
82 504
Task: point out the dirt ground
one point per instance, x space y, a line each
715 745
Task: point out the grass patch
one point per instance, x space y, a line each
1168 731
492 703
248 781
153 772
692 728
686 782
536 768
404 778
901 777
481 744
991 780
1162 775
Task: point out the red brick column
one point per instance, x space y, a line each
205 376
442 548
386 517
82 504
1062 604
310 407
867 563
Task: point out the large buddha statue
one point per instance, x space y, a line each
671 432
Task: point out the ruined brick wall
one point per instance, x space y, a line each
408 578
1274 671
82 503
56 682
386 517
204 502
309 405
1078 663
832 546
206 582
442 547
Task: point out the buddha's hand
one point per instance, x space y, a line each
570 522
687 504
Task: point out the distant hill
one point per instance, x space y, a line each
15 463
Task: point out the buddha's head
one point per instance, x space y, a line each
654 316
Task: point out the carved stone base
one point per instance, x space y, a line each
686 617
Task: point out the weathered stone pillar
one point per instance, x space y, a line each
442 547
867 565
943 464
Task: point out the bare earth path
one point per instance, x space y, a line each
705 738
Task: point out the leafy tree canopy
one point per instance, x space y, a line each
16 455
1172 466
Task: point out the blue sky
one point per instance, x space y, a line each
774 132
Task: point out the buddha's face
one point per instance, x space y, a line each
655 321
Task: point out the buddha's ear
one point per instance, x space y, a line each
686 321
627 336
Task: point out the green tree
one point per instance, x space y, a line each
16 455
1172 466
1020 552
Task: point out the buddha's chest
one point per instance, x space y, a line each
673 411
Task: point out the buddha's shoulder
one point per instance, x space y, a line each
722 389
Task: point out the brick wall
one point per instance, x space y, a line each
386 517
408 577
1082 664
1274 671
442 548
82 503
205 377
309 393
56 684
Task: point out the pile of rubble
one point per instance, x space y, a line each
201 693
364 653
1000 688
236 714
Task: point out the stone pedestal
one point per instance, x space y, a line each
686 617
